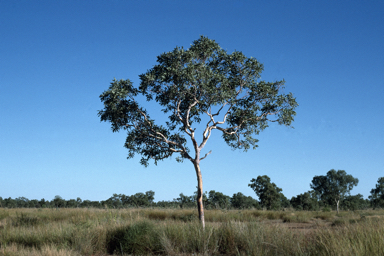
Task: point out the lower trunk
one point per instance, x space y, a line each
337 206
200 205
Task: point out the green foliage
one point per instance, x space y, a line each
59 202
203 80
333 187
269 194
186 201
22 202
306 201
240 201
141 199
356 202
217 200
377 194
284 202
136 200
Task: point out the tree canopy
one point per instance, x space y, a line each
306 201
377 194
241 201
269 194
334 186
201 84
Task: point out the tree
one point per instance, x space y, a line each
141 199
71 203
22 202
150 195
356 202
377 194
59 202
306 201
284 202
241 201
334 186
43 203
201 84
218 200
10 203
115 201
34 204
86 203
185 201
78 202
269 194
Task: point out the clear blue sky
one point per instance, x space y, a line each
57 57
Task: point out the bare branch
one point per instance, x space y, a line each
206 155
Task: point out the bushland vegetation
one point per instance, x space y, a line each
238 225
147 231
212 200
329 192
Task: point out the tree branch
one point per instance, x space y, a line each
206 155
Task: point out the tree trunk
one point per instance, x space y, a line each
337 206
200 205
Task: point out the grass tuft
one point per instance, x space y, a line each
138 239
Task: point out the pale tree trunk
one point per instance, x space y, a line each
337 205
200 205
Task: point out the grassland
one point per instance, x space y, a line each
178 232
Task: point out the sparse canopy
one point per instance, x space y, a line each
334 186
201 84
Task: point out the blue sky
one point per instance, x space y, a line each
57 57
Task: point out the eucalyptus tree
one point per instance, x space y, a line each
334 186
202 87
269 194
377 194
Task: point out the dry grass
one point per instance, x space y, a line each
178 232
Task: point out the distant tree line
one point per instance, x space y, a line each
331 191
212 200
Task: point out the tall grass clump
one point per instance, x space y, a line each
138 238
